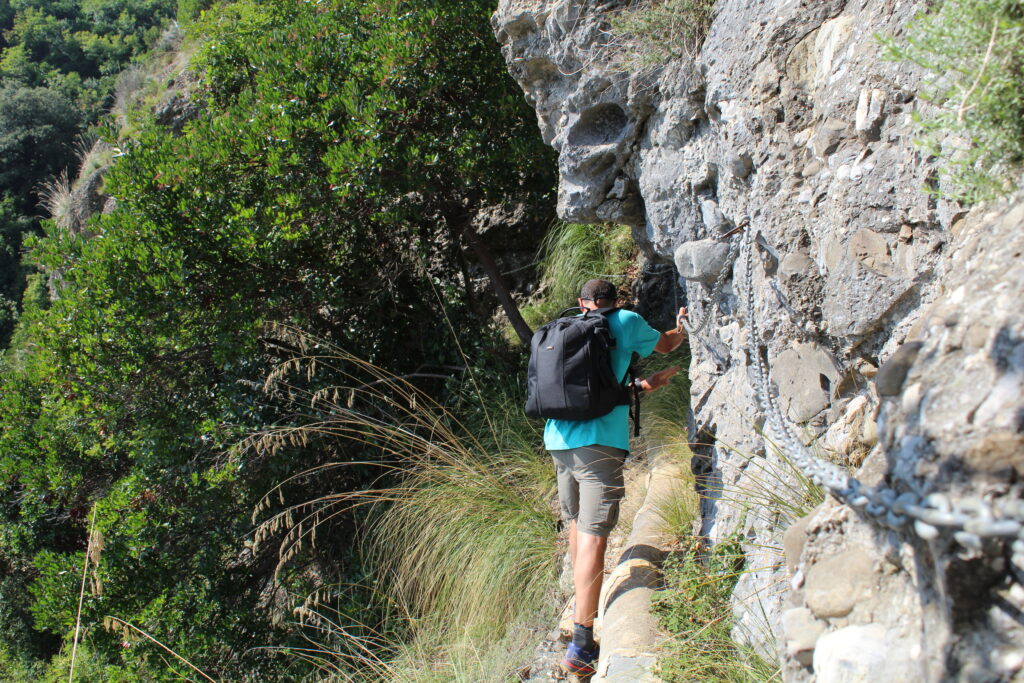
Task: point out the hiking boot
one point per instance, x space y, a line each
579 661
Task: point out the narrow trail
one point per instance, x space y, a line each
545 664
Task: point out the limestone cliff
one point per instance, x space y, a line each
890 319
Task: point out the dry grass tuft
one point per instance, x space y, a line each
55 195
461 532
650 33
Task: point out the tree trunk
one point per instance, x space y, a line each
500 290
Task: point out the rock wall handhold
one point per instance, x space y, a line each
805 375
863 654
836 585
740 165
701 260
893 373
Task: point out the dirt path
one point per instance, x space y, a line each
545 664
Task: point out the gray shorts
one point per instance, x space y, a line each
590 486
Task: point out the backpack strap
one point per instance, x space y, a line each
604 312
634 406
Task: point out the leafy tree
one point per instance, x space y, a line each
36 125
345 149
6 19
12 226
57 67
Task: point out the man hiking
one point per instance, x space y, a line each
589 457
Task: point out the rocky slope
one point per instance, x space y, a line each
890 320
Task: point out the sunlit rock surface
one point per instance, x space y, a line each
790 117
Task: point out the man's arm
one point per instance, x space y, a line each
671 339
658 379
668 342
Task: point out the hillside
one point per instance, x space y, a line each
263 368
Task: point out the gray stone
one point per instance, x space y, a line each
826 138
805 375
795 263
857 300
701 260
801 630
869 113
893 373
713 218
865 654
739 165
852 431
871 250
812 168
836 584
793 542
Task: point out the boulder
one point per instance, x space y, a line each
701 260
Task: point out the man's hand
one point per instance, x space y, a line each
659 379
671 339
683 315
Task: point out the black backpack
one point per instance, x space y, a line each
570 372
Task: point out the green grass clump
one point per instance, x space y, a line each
973 53
573 253
652 32
774 488
460 532
695 608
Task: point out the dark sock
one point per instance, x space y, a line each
583 636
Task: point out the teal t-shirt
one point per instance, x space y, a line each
632 334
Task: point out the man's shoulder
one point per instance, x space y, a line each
626 314
632 331
628 318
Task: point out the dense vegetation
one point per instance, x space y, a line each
222 335
341 151
59 63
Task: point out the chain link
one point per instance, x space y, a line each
970 518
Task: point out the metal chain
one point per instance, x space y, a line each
971 518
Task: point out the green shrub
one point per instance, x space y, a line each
324 184
652 32
973 53
190 10
695 608
573 253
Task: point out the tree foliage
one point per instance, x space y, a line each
342 148
58 65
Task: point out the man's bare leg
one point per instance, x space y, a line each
588 572
572 543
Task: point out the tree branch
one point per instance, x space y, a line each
500 290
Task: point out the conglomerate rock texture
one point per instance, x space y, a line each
891 319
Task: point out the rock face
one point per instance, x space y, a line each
891 320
